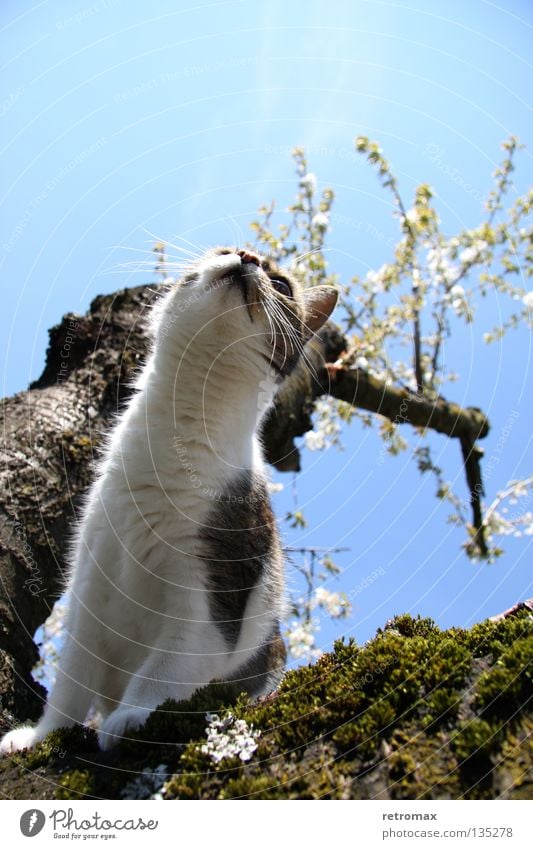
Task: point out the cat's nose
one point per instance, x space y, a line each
248 256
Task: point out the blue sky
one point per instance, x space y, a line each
178 119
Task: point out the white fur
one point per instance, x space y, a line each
138 627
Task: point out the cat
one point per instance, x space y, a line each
177 574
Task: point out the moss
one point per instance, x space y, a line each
76 448
59 744
362 737
516 763
76 784
504 689
175 723
415 713
474 741
442 705
409 626
421 766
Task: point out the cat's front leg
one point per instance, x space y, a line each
161 677
120 722
127 718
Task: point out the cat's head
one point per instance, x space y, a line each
241 300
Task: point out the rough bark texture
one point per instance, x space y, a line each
52 433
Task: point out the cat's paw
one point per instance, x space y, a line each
20 738
113 728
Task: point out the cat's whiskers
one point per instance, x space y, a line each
272 333
198 251
281 320
238 231
299 257
144 267
300 348
291 333
263 295
196 254
277 319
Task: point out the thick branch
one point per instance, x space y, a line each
290 417
401 406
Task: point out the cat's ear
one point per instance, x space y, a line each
320 302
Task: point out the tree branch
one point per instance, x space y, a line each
472 455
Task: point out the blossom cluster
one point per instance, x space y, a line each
499 520
229 738
301 635
301 640
334 604
397 319
326 426
308 181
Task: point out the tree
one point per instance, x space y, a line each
52 431
397 319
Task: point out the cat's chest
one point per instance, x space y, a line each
168 482
188 497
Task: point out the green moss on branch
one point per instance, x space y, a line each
415 713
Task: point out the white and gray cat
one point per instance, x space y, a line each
177 570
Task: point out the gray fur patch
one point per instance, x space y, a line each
239 540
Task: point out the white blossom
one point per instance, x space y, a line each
527 300
450 273
457 298
376 281
320 220
308 181
301 640
229 738
440 266
472 252
468 254
314 441
333 603
497 524
326 426
519 489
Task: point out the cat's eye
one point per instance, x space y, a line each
281 286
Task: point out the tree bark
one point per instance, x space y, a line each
52 434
